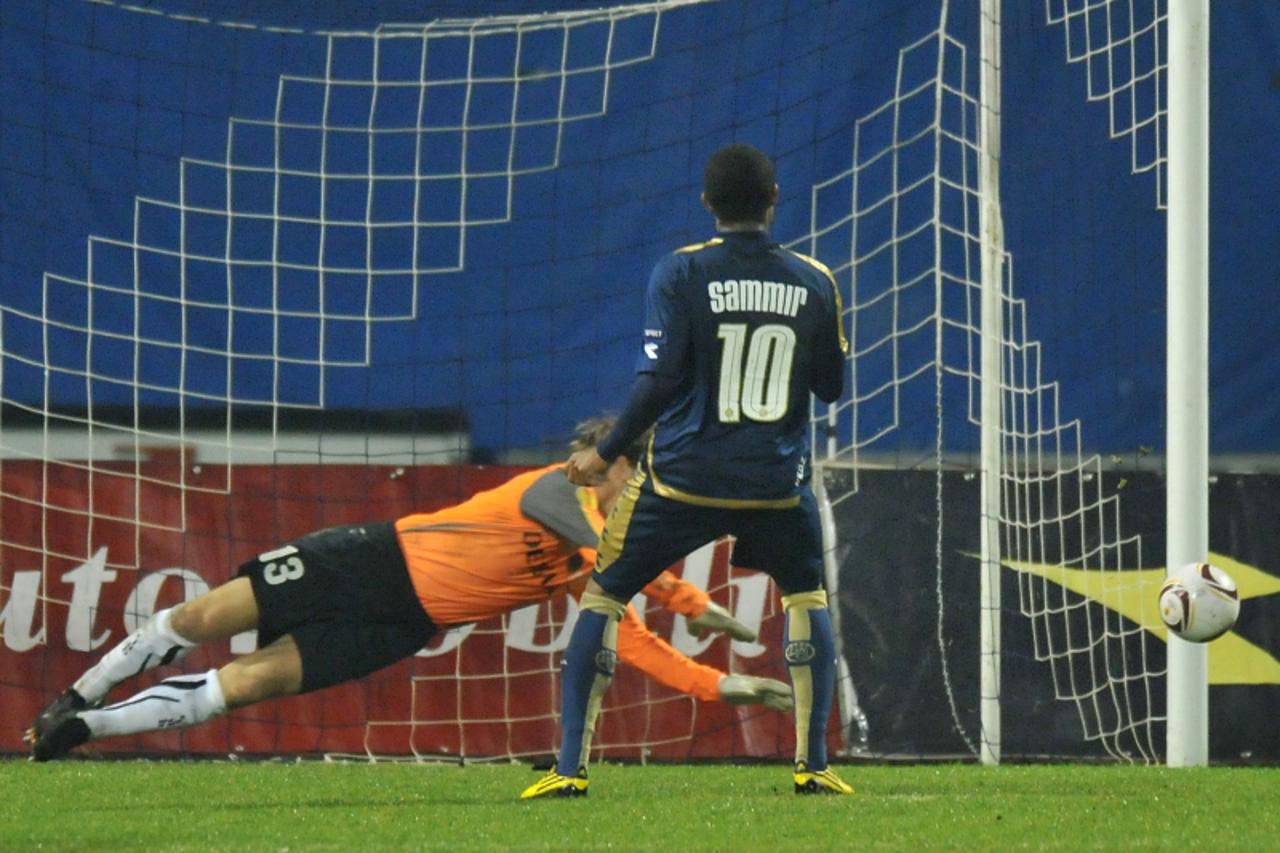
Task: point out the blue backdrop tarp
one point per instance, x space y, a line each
101 104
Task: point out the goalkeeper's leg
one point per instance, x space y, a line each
811 659
169 635
588 671
178 702
163 639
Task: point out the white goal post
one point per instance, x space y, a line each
1187 370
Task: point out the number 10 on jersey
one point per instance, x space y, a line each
755 372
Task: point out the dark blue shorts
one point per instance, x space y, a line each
645 533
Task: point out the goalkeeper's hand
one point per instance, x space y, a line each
586 467
716 618
750 690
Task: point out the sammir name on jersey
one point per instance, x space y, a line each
752 295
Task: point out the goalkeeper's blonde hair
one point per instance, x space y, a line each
592 431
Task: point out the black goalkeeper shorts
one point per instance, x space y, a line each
345 597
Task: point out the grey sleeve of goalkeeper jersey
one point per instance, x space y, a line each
552 501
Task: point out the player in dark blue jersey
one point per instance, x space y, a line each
738 332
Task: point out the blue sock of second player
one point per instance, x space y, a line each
824 682
578 684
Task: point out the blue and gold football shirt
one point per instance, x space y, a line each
749 329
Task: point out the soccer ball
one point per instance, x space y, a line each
1199 602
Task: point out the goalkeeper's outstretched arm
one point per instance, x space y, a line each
703 615
658 659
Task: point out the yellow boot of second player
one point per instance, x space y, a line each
555 785
819 781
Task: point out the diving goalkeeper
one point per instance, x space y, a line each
341 603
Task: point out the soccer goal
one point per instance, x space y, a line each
270 274
939 333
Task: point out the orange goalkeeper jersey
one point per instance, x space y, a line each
487 556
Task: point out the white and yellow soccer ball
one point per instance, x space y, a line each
1199 602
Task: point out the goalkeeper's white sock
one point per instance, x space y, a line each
152 645
173 703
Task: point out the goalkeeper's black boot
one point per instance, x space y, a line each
555 785
58 729
823 781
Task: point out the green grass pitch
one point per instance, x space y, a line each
95 805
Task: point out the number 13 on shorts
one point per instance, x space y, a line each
281 565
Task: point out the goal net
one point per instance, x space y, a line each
274 273
312 309
902 224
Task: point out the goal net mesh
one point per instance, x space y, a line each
307 272
901 225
